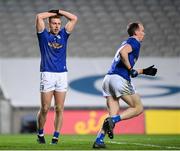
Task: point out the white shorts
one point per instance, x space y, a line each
116 86
51 81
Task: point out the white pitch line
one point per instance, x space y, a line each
147 145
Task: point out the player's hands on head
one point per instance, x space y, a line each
150 71
133 73
56 11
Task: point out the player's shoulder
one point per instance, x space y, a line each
64 31
126 43
133 42
44 31
125 48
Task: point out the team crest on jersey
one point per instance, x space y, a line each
58 36
55 45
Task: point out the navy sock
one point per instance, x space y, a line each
41 132
56 134
100 138
116 118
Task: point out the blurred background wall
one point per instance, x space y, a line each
92 45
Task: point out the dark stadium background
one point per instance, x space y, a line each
100 29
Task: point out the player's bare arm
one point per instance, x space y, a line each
124 55
72 20
40 25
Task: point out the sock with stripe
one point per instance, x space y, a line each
56 135
41 132
100 138
116 118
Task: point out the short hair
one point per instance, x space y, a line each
52 17
132 27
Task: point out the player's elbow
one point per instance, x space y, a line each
123 53
38 16
75 18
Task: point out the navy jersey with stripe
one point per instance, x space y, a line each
53 51
118 66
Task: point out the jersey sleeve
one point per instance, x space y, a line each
65 33
42 34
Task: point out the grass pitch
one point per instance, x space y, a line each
84 142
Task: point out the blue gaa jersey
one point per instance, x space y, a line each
53 51
118 66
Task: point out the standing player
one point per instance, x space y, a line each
53 43
117 83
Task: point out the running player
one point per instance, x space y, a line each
117 83
52 44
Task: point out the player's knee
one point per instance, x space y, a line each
59 109
44 109
139 109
